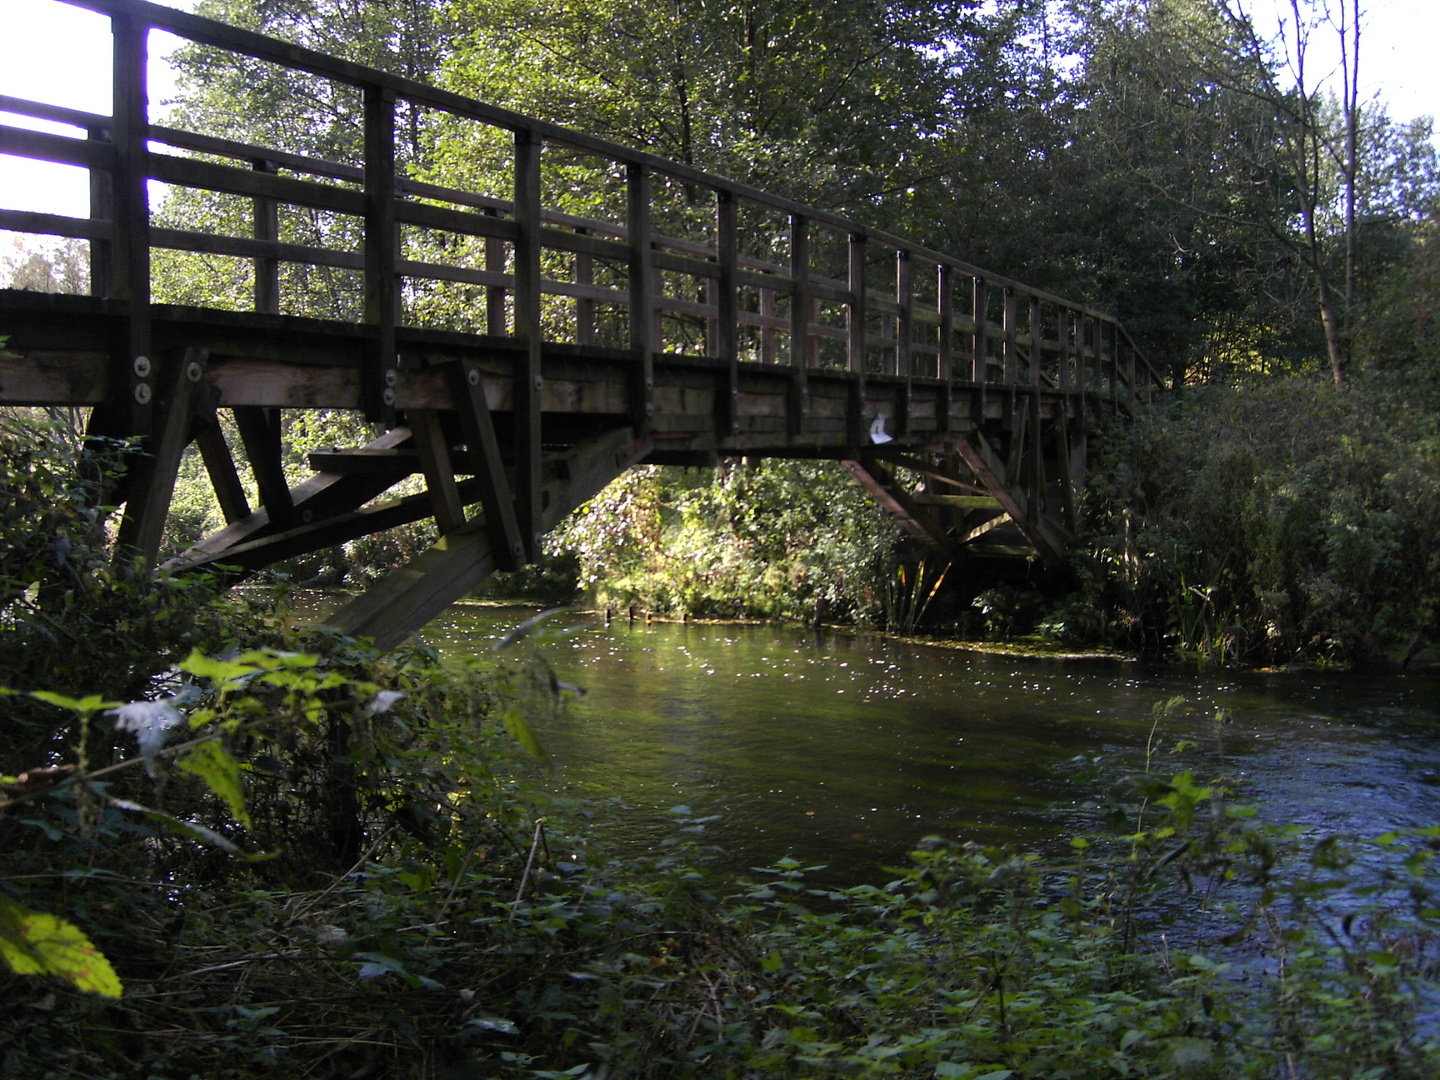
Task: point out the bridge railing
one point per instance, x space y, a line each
579 240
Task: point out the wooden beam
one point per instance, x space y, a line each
1051 552
407 598
260 433
798 409
132 386
153 486
478 430
382 289
641 275
855 322
900 508
434 453
321 496
727 315
220 464
528 382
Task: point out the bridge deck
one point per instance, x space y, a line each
679 318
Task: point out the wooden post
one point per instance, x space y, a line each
980 361
904 338
438 468
1129 365
767 332
642 297
382 293
133 387
856 322
1036 336
1062 331
102 208
260 434
799 404
528 381
727 314
153 486
945 359
584 305
1011 332
495 321
477 427
265 225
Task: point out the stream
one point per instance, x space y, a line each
846 749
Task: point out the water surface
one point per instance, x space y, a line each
847 749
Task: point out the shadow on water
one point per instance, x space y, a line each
847 749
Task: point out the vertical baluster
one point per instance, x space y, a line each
904 338
382 295
131 238
528 382
1011 332
495 321
584 305
855 342
799 405
727 312
265 225
1036 336
945 359
102 208
642 297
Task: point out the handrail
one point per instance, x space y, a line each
970 326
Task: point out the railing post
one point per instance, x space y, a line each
855 325
1011 332
1036 335
642 297
981 307
945 361
382 294
584 305
133 388
767 332
265 225
495 321
1062 331
980 362
727 313
904 338
102 208
1129 364
799 405
528 382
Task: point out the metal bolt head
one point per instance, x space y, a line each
142 392
194 371
473 376
518 550
649 408
391 376
142 367
539 382
388 396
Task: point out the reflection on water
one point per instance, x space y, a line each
846 750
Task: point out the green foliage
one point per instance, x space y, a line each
772 538
1270 522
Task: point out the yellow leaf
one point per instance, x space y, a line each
38 943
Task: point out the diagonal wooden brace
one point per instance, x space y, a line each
478 430
152 485
434 451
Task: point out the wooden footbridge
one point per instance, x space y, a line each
586 307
